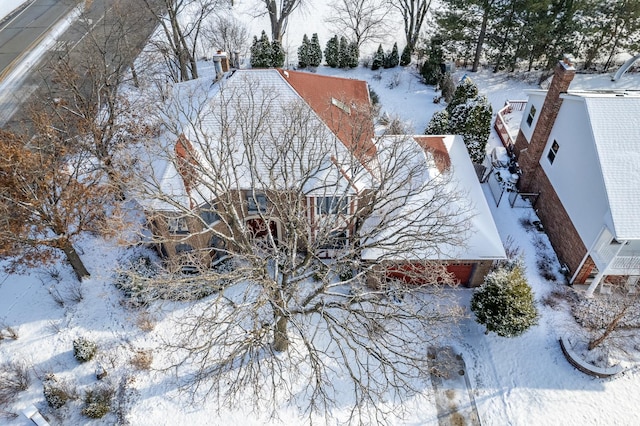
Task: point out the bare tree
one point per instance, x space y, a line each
226 33
621 309
413 12
81 90
360 20
271 190
279 12
181 22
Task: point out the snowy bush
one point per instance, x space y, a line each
97 402
504 303
14 378
84 349
142 360
57 392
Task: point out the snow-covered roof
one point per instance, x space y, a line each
616 134
482 240
250 119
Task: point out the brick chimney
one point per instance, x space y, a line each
530 152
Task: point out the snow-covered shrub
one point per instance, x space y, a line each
84 349
14 378
345 273
439 124
57 392
8 332
395 81
505 303
97 402
142 360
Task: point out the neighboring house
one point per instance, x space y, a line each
468 260
236 133
580 150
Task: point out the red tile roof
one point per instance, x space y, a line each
435 145
342 103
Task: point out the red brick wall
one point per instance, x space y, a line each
563 235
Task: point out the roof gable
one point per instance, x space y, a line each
342 103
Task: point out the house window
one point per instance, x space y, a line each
336 240
553 151
332 205
177 225
257 203
208 214
531 116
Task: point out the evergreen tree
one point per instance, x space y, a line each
378 59
331 52
431 70
255 52
465 90
468 115
354 55
472 120
261 52
405 59
343 53
315 51
439 123
277 54
505 303
391 60
304 52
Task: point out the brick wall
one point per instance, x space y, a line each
563 235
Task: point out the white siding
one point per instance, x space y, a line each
536 99
575 173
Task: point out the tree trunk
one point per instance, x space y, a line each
594 343
483 32
74 260
280 338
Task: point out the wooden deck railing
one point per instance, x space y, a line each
500 124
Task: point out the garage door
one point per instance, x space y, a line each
462 271
412 273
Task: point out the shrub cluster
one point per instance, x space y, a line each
84 349
97 402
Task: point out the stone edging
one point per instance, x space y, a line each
585 367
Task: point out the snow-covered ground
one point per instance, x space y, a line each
8 6
517 381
